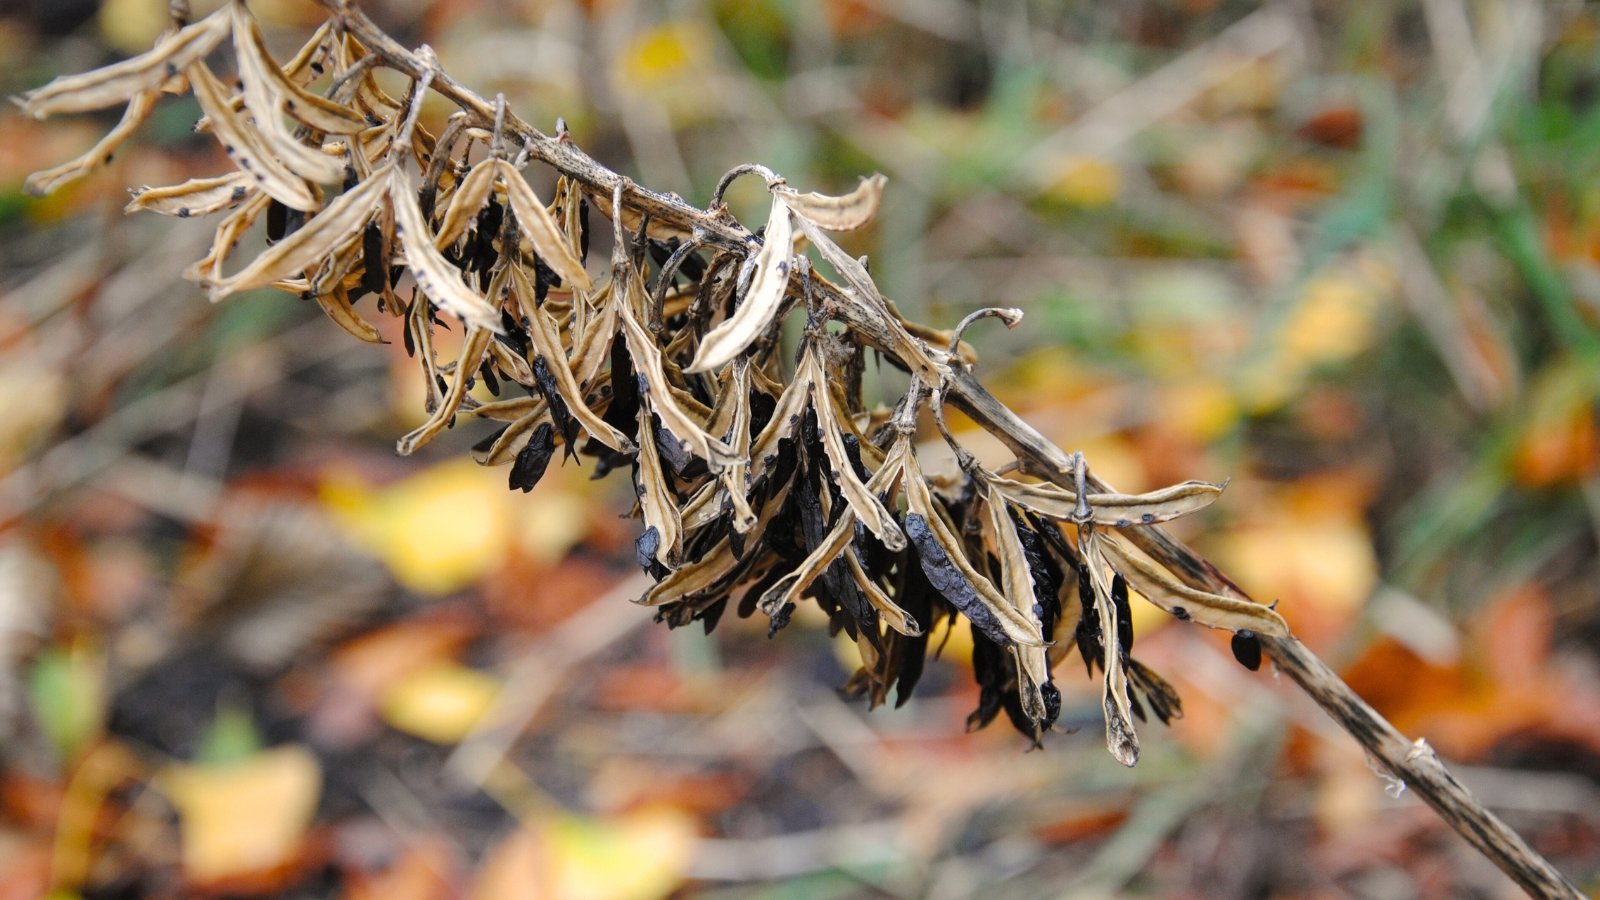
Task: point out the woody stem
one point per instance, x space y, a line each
1414 763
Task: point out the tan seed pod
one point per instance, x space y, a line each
469 197
195 197
509 410
318 113
866 506
1121 739
891 613
1112 509
655 498
336 303
473 348
647 363
546 340
121 82
438 278
513 439
1007 621
323 235
266 97
244 146
208 269
540 227
842 213
761 301
1216 610
139 108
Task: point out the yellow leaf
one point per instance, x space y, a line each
245 817
1085 181
440 703
1323 559
437 531
132 26
636 856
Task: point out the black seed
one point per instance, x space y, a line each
375 276
1247 649
277 221
645 548
949 581
534 458
1119 596
183 212
1180 613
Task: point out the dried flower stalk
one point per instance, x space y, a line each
761 481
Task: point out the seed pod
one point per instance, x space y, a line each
195 197
120 82
760 303
843 213
139 108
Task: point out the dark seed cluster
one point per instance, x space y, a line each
707 361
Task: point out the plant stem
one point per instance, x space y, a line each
1414 763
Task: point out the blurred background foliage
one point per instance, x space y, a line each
1346 254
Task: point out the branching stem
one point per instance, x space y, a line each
1413 762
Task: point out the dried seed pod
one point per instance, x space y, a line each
1215 610
244 144
340 224
438 278
139 108
760 303
120 82
195 197
843 213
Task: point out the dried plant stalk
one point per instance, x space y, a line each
760 483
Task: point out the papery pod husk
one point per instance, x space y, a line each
1218 611
1121 739
120 82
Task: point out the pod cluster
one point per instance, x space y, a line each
713 372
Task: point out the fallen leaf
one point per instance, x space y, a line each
244 818
440 703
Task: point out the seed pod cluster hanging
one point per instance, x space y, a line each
764 475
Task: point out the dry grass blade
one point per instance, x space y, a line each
846 212
1161 588
438 278
195 197
322 236
121 82
760 303
139 108
244 147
